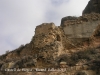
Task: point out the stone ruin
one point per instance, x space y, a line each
80 28
59 47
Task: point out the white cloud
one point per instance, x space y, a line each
18 18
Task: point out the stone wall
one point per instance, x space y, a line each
44 28
84 30
82 27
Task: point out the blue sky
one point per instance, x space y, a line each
19 18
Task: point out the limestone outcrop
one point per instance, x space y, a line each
92 6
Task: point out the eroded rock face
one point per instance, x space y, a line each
46 34
92 6
97 31
48 42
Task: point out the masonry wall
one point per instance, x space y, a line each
83 30
44 28
80 27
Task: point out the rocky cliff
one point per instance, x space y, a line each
92 6
58 50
